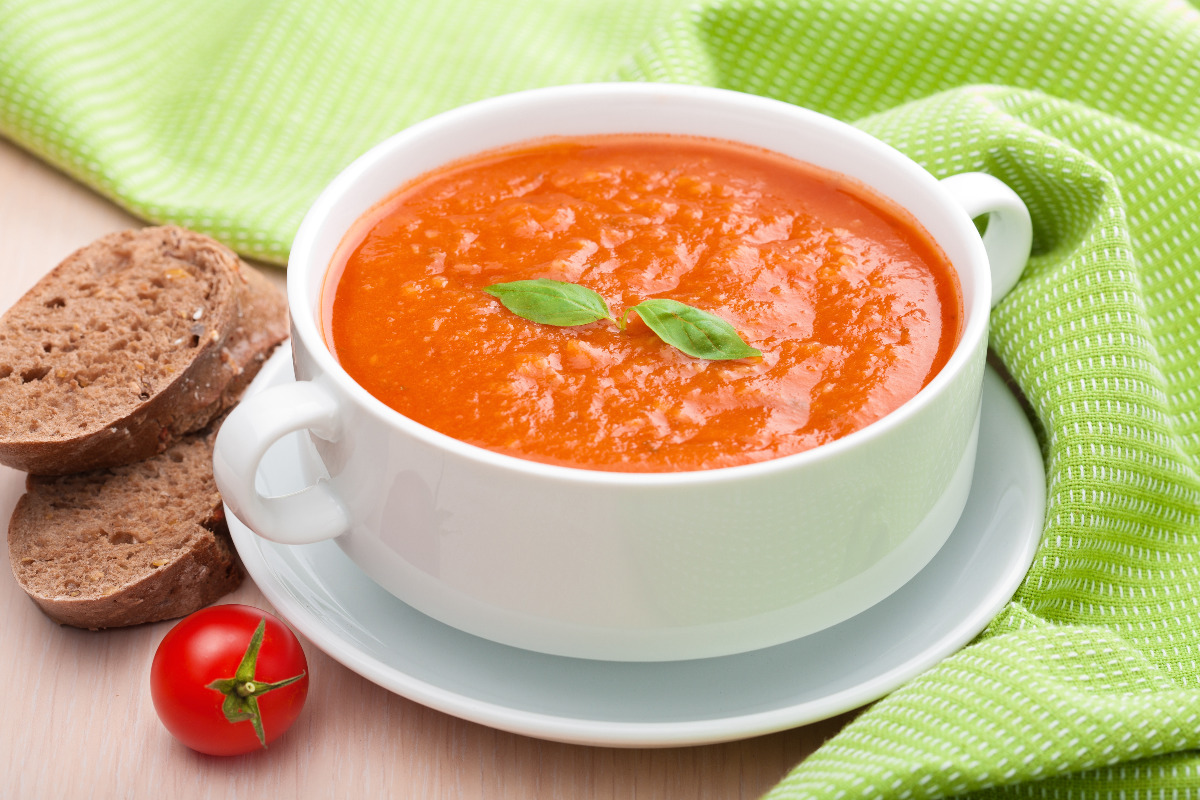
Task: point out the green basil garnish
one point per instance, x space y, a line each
551 302
697 333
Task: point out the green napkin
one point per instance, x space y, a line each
229 117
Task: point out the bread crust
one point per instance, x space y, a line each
196 322
115 371
139 543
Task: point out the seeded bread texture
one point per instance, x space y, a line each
129 344
137 543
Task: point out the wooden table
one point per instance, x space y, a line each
78 721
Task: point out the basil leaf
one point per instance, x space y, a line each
695 332
551 302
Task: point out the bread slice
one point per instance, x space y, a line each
131 544
130 343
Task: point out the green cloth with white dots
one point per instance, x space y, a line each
229 117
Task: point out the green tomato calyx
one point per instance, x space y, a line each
242 690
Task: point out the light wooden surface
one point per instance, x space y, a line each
78 721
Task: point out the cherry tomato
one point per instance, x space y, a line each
229 679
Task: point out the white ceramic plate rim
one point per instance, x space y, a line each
1007 445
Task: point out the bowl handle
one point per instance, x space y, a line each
1009 233
310 515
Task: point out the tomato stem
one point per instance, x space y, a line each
242 690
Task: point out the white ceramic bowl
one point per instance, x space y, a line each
620 566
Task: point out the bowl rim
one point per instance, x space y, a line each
303 272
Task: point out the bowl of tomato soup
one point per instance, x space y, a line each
634 371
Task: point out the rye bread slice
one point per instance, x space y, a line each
130 343
136 543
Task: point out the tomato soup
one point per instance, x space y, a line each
852 305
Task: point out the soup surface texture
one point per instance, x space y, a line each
851 303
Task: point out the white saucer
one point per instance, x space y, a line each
329 600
